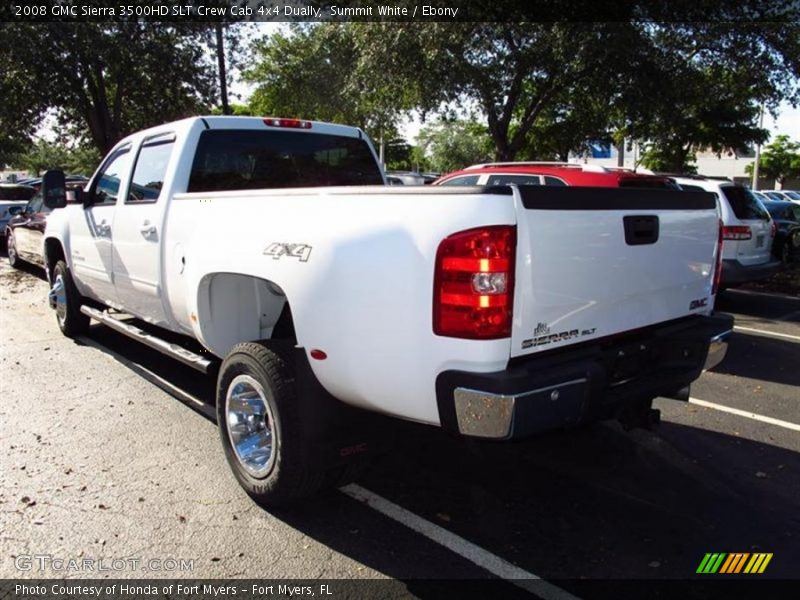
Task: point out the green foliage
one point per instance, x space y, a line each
780 160
701 86
325 72
43 155
399 155
238 110
105 80
452 145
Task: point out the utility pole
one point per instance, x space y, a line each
754 185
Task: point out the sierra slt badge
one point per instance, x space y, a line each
279 249
542 336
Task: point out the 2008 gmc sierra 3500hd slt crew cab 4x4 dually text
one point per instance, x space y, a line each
493 312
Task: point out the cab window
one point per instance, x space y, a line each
106 187
150 169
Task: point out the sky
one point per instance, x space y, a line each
787 123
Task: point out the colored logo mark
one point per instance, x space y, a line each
734 562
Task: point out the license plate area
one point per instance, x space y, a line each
760 240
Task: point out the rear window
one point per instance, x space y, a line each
644 182
744 204
465 180
16 193
246 160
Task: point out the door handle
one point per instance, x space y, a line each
147 229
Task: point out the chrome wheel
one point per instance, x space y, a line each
58 298
11 248
250 425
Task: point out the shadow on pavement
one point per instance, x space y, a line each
762 358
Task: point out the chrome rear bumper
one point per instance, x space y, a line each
717 349
583 384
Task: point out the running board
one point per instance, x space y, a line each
187 357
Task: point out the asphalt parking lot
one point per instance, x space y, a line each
109 450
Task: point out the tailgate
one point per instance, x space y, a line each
593 262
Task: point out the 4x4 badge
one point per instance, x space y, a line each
279 249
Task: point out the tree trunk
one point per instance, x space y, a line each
223 79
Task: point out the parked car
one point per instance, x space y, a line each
36 182
786 216
548 173
405 178
13 199
747 230
789 195
761 196
24 232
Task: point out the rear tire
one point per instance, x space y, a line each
265 442
71 321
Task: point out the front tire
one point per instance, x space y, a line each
11 250
267 448
71 321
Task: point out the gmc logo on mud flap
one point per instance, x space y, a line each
351 450
279 249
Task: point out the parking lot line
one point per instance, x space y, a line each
466 549
795 338
746 414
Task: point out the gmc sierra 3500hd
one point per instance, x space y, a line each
494 313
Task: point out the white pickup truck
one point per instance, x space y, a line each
319 294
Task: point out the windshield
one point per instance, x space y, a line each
16 193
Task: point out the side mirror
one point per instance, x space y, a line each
16 210
54 189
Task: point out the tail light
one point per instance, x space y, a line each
718 265
736 232
288 123
473 283
773 229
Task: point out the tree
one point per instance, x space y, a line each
105 80
702 85
323 72
452 145
682 85
42 155
780 160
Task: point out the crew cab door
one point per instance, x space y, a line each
138 236
91 228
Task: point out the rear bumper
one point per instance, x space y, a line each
735 273
567 387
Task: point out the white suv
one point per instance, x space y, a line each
747 231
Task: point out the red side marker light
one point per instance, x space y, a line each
318 354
